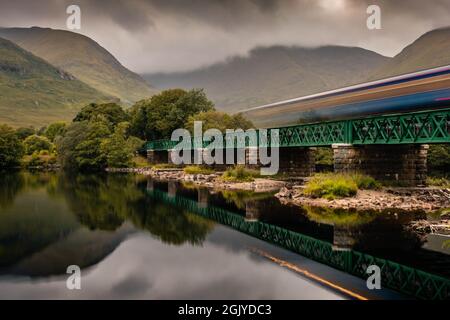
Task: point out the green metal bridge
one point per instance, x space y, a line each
404 279
424 127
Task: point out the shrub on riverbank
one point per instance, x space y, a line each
11 148
197 170
239 174
41 159
365 182
331 186
438 182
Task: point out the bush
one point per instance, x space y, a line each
324 156
330 186
365 182
39 160
11 148
23 133
37 143
438 182
197 170
140 162
439 158
54 130
239 174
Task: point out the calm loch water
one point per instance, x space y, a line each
135 238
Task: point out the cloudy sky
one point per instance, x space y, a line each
179 35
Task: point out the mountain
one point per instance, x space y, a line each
34 92
84 58
431 50
275 73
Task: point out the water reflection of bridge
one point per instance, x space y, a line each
405 279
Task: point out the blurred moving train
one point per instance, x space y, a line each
422 90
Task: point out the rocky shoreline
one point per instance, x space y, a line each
211 181
409 199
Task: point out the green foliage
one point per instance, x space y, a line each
35 144
164 166
239 174
41 159
158 117
365 182
11 148
324 156
117 149
330 186
438 182
219 120
88 153
140 162
25 132
80 148
112 112
439 158
197 170
65 146
54 130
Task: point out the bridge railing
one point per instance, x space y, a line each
407 128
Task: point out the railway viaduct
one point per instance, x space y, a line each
391 148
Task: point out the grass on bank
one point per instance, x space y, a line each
140 162
164 166
331 186
240 174
197 170
438 182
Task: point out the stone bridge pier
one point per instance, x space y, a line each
293 161
403 165
157 156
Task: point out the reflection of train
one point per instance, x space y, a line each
427 89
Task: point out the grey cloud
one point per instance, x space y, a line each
177 35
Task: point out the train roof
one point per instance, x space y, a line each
362 86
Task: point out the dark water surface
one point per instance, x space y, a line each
137 238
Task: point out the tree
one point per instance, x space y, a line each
439 158
117 150
36 144
54 130
112 112
65 145
158 117
80 147
88 153
219 120
11 148
23 133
